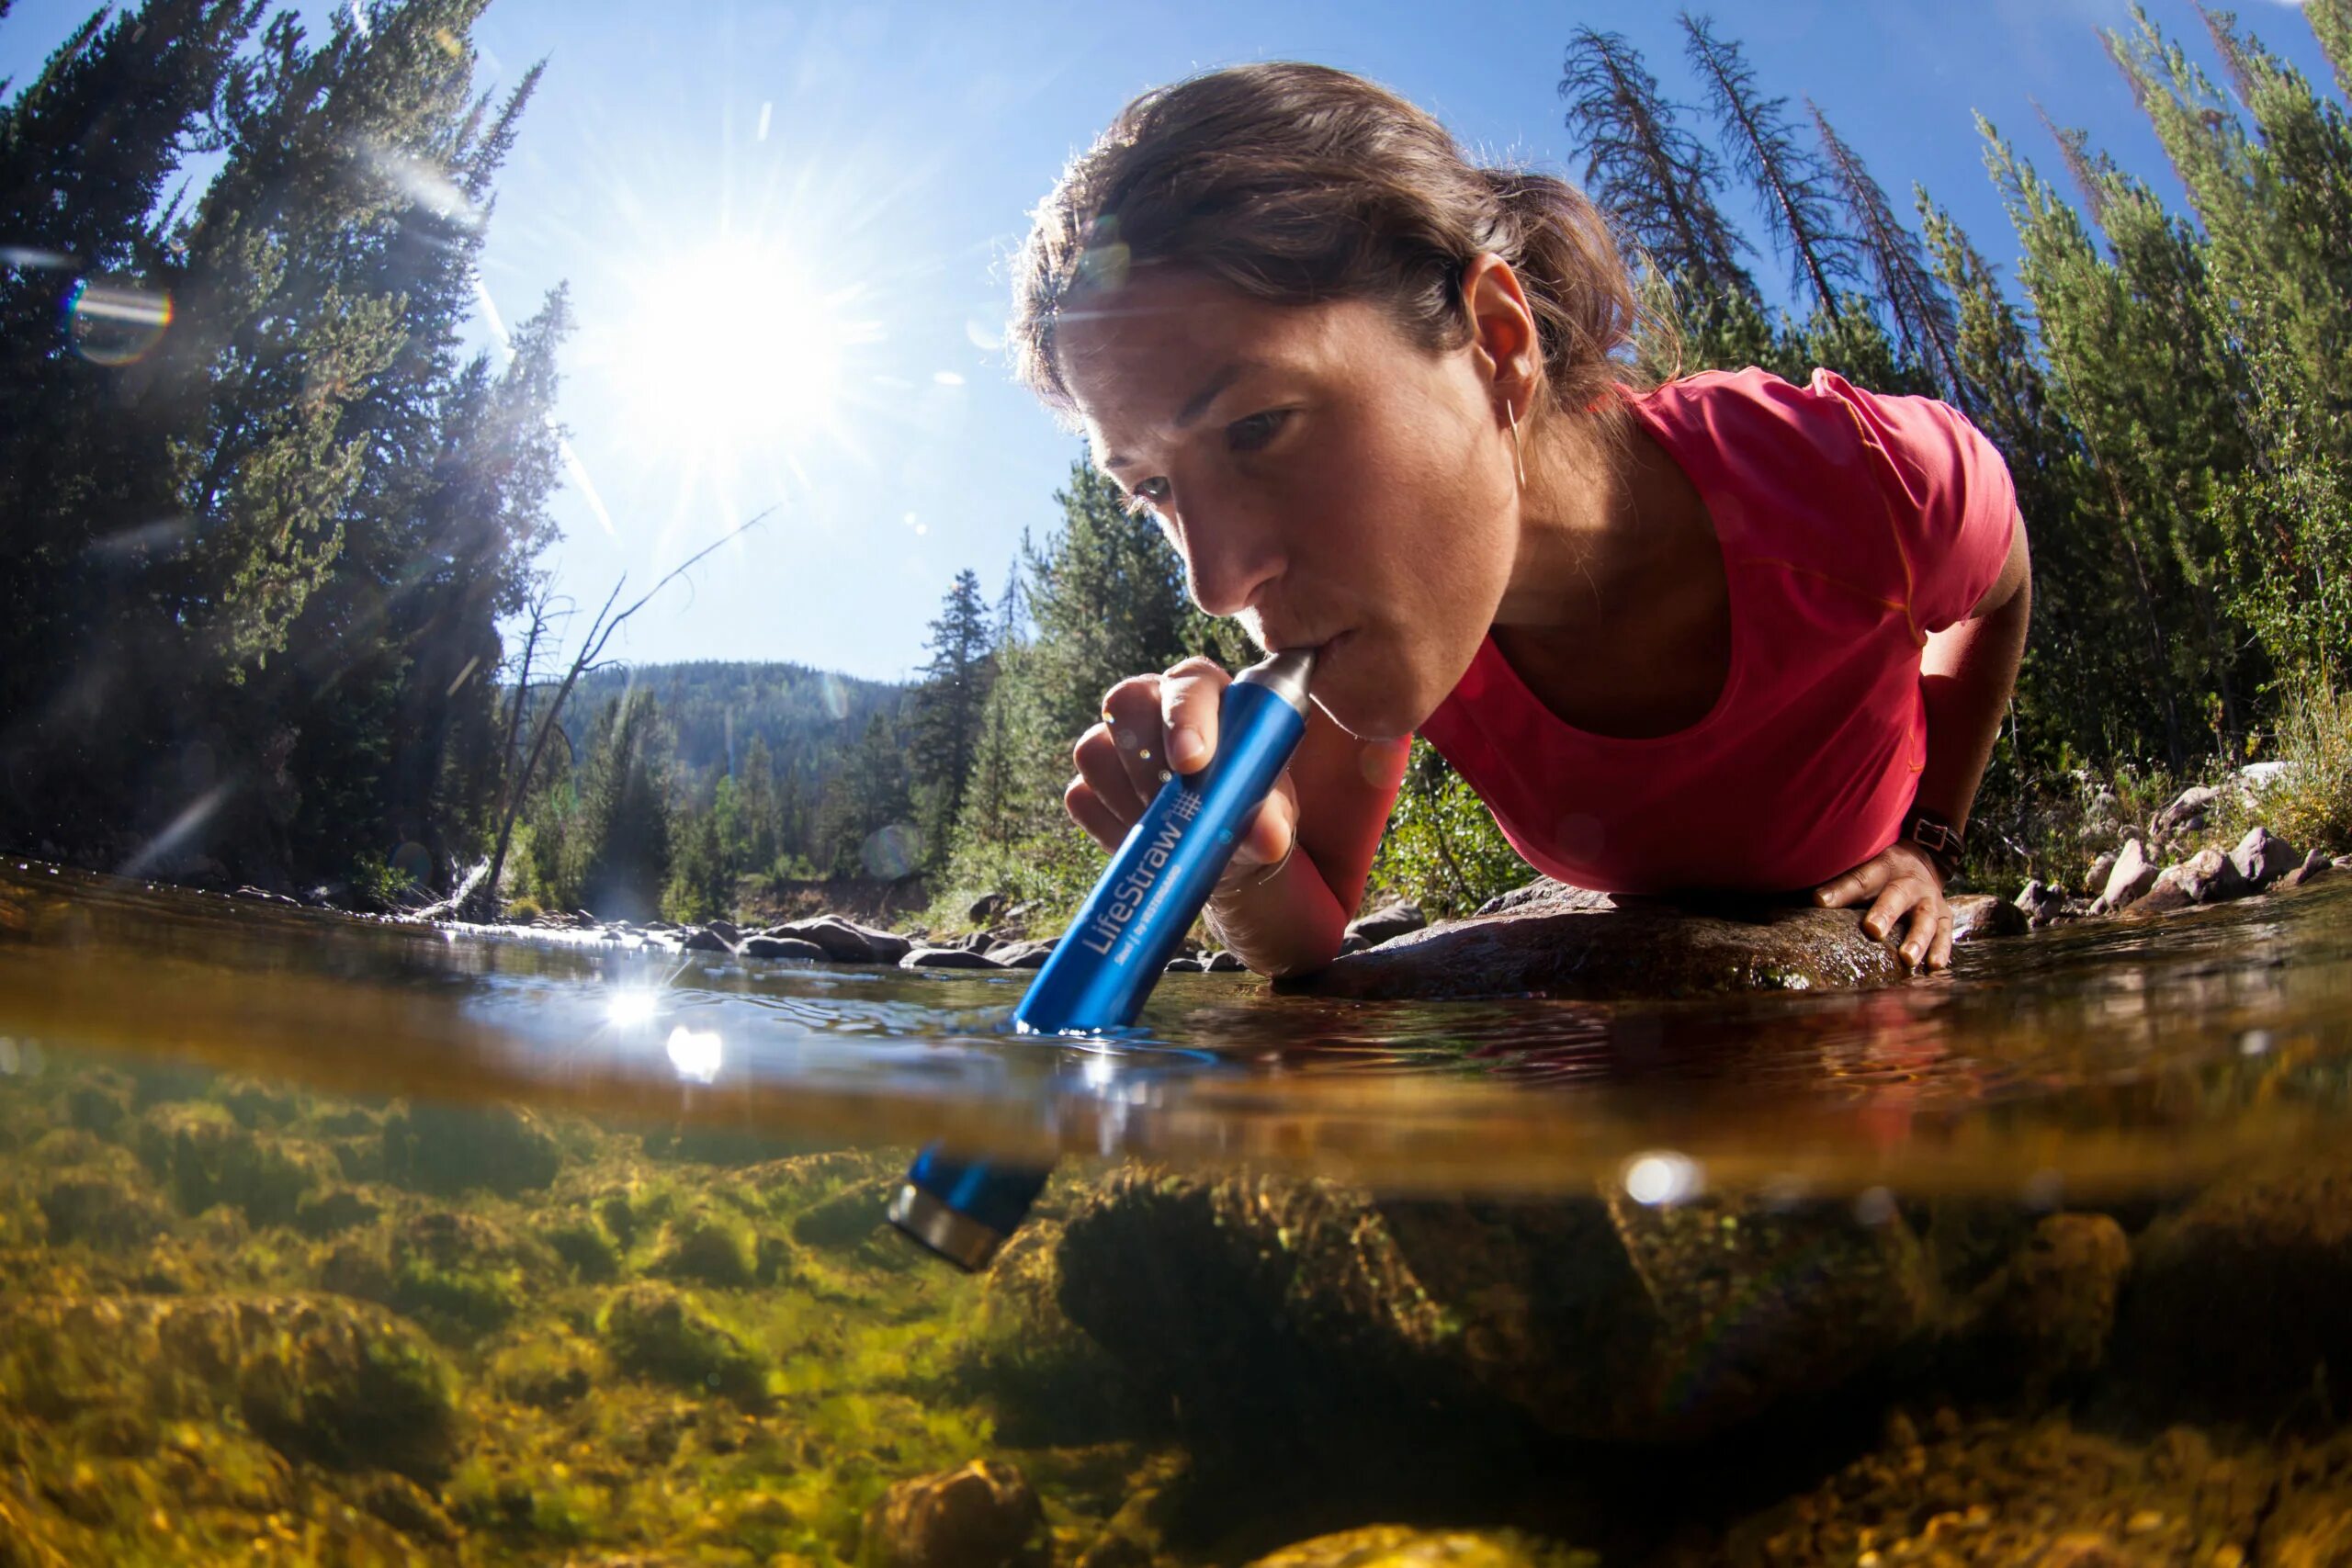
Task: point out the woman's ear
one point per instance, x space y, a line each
1503 336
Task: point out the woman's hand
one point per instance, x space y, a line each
1155 723
1902 886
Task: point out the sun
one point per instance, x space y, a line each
732 351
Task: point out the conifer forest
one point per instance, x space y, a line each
275 548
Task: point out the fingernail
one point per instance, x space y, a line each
1186 749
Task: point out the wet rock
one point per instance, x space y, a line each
850 1218
1262 1302
1976 915
1644 949
1551 895
98 1102
1224 962
2261 859
448 1149
2167 893
202 1154
2243 1299
705 939
1402 1546
586 1247
655 1332
1180 965
1022 954
547 1369
2208 876
845 941
1995 1492
781 947
408 1508
338 1382
2133 874
1391 920
978 1517
985 908
2315 865
725 930
946 958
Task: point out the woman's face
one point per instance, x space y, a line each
1325 479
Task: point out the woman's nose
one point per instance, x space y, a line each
1230 555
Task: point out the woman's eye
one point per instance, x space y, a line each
1250 434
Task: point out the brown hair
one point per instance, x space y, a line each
1299 185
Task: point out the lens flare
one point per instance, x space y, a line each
115 322
892 853
697 1053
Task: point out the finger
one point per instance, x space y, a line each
1189 695
1104 768
1086 809
1268 837
1131 708
1892 898
1940 956
1857 884
1919 933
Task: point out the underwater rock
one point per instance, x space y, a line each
318 1377
711 1245
102 1210
1402 1546
2261 858
848 1219
1976 915
336 1210
1636 949
205 1156
448 1149
977 1517
2243 1299
1393 918
1263 1304
659 1333
2047 1314
586 1246
1997 1493
98 1102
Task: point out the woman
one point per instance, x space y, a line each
1724 634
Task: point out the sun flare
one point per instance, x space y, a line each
732 350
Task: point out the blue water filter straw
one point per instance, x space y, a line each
1103 968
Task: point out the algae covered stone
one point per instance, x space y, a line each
1266 1304
1402 1546
655 1332
205 1156
449 1150
978 1517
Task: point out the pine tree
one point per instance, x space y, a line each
1659 183
620 847
950 703
1925 330
1795 192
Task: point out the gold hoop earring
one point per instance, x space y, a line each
1518 458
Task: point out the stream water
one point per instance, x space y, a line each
324 1239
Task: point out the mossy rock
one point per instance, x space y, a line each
850 1218
448 1149
547 1369
204 1157
318 1377
709 1246
653 1331
334 1210
1402 1546
102 1210
1265 1304
255 1104
586 1247
978 1517
98 1102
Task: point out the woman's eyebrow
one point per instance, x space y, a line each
1198 403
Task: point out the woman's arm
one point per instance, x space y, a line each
1967 673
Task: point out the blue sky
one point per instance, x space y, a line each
812 207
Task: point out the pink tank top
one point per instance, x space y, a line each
1851 525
